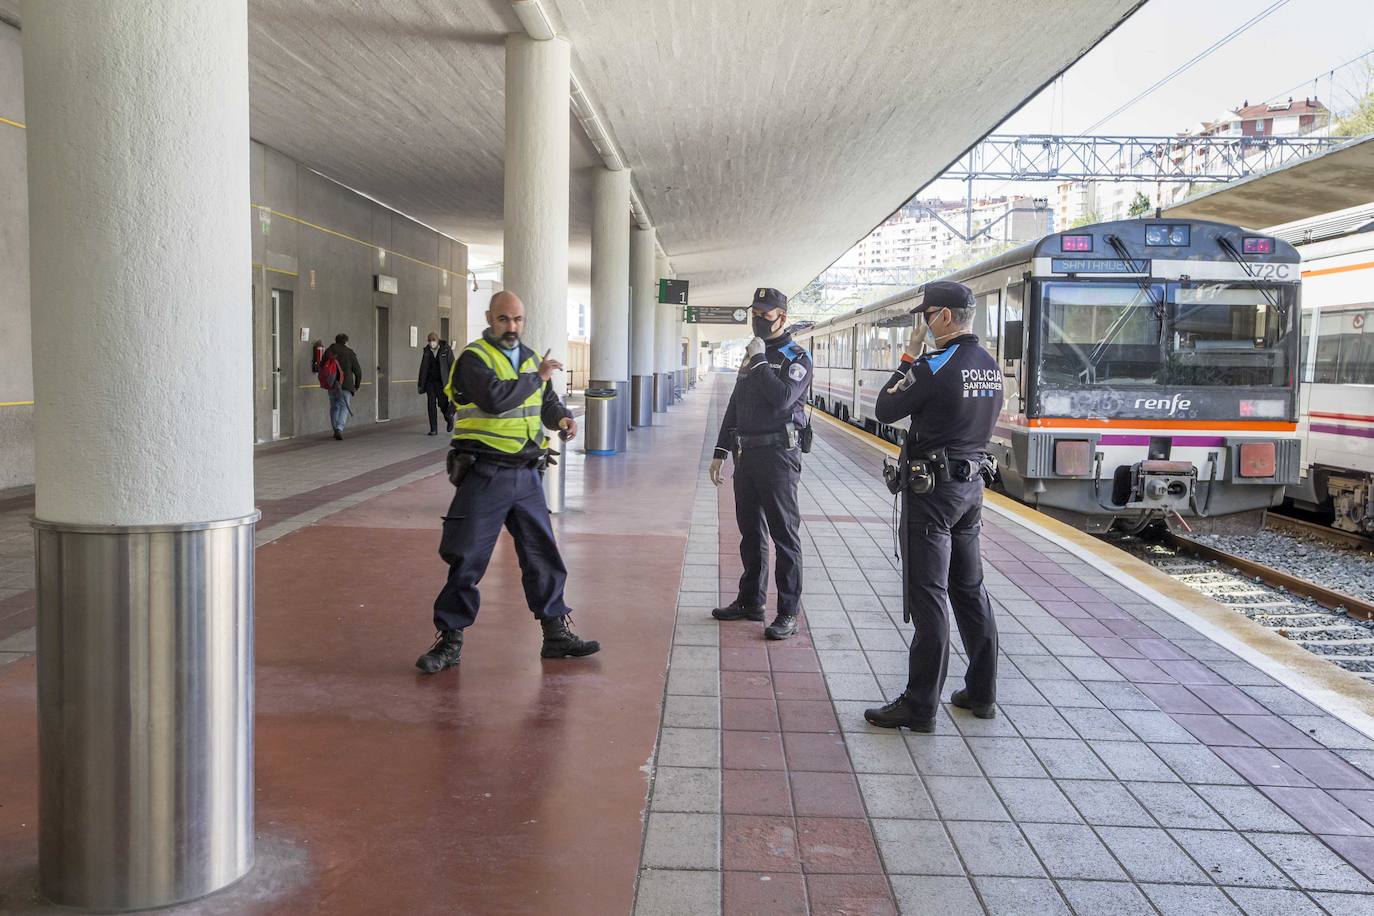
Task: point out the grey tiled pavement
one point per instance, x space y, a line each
1136 766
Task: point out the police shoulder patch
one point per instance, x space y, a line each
796 372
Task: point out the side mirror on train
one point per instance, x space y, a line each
1012 340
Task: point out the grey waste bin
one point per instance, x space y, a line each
601 414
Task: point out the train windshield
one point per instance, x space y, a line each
1114 333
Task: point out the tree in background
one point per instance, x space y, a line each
1359 118
1087 219
1140 205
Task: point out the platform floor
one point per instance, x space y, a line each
1138 764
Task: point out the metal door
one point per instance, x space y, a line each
275 383
383 353
443 331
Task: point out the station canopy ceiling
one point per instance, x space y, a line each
1335 180
766 136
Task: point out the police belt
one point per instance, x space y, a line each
786 439
920 473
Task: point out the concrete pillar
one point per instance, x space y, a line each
644 293
535 252
140 257
665 326
610 353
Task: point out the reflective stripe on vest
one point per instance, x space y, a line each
511 430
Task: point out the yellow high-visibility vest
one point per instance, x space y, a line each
509 431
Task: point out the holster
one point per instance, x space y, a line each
458 464
805 435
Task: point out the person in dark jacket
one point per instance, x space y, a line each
351 377
952 396
761 428
503 400
436 364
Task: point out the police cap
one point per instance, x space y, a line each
944 294
765 297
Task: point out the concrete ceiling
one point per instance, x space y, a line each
767 136
1335 180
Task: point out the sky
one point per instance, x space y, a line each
1278 56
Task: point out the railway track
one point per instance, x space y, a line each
1327 623
1293 525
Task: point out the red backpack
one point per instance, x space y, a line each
330 372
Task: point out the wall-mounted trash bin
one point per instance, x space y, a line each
601 414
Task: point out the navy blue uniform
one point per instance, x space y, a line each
953 397
500 490
768 402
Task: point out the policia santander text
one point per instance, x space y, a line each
764 429
502 398
953 396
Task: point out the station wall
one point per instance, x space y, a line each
317 244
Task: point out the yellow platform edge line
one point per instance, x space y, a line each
1345 695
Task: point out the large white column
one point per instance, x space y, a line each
610 343
665 327
535 236
643 356
141 283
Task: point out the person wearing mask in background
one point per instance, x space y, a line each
436 363
952 396
503 399
763 426
350 378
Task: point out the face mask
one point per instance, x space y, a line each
434 344
763 327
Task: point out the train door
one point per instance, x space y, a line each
1011 346
383 380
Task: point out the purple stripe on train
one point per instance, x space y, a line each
1340 429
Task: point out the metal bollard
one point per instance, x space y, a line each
601 416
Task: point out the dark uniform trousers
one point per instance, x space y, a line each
435 398
491 497
765 482
942 561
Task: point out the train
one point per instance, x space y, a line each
1150 371
1336 417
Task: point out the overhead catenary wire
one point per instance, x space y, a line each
1193 61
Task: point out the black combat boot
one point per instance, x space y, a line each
961 699
561 642
443 654
783 626
738 610
899 713
338 433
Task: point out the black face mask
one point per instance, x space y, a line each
763 328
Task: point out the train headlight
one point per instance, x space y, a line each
1165 235
1073 457
1258 459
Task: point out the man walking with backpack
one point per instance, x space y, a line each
341 375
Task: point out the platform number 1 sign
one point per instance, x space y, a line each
672 292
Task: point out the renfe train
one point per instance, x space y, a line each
1149 371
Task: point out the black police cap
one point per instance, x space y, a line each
765 297
944 294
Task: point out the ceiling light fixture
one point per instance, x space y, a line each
534 19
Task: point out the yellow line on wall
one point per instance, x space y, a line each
275 270
16 403
349 238
11 123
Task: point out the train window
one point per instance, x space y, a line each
986 320
1099 333
1304 359
820 358
841 357
1345 352
1226 334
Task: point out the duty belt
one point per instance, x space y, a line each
783 440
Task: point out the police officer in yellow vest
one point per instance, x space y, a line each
502 400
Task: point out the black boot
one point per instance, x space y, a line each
899 713
738 610
561 642
783 626
961 699
443 654
338 433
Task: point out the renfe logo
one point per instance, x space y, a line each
1170 405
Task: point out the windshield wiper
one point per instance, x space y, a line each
1225 245
1120 323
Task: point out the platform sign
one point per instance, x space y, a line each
672 292
715 314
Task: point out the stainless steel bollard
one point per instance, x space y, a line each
601 419
642 400
145 711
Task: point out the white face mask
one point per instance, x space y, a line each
434 344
